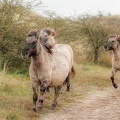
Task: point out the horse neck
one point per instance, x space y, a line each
42 55
116 53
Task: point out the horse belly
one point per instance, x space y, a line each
63 58
59 75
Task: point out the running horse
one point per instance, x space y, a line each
47 70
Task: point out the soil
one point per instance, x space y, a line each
99 105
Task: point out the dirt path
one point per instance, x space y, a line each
100 105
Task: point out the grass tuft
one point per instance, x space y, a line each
12 115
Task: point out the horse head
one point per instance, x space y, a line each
30 44
113 42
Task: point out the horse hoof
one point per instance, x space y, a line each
53 106
34 109
67 90
40 106
115 86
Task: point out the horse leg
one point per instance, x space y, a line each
57 92
70 75
112 78
43 88
48 90
68 83
35 94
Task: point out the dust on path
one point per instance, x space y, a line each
99 105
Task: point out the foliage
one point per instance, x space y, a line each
14 25
85 33
94 33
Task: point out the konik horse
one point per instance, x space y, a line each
47 70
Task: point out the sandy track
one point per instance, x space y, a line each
100 105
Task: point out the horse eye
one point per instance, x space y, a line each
34 42
113 41
46 35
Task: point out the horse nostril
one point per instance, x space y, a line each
106 48
23 52
26 53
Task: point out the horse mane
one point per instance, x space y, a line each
49 31
32 33
112 36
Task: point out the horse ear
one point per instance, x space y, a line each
110 36
118 37
37 32
53 33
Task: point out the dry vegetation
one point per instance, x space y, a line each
16 92
84 31
86 34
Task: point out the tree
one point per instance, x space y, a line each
93 29
15 22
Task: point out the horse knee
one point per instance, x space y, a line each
43 89
35 97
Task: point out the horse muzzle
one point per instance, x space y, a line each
25 54
106 48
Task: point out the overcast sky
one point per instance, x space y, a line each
71 7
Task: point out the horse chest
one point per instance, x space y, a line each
116 64
38 73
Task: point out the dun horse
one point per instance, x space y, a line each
47 70
114 45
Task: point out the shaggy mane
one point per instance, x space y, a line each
32 33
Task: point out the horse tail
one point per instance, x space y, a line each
73 72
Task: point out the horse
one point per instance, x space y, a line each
114 45
47 70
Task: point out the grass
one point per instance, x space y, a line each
16 92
